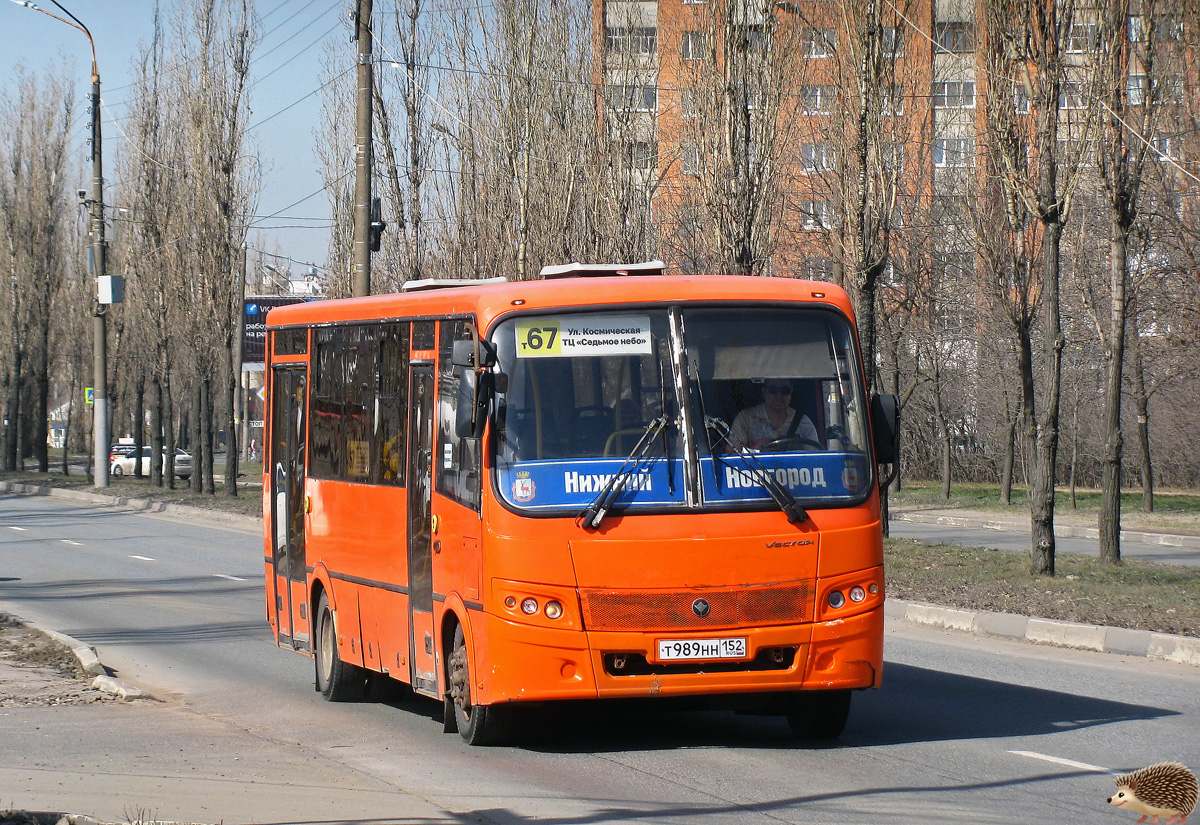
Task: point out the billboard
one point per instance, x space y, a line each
254 337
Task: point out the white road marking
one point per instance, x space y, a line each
1070 763
22 529
141 558
76 543
231 578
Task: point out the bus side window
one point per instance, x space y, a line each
458 466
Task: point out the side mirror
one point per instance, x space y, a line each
464 355
885 422
474 399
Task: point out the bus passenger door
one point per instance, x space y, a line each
420 553
287 496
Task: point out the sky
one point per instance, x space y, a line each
293 213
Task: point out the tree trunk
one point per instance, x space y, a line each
196 436
1110 484
207 433
231 435
156 432
1006 474
1045 455
139 418
1142 400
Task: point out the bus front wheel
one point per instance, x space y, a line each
477 724
819 714
337 681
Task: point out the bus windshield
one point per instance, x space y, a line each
690 407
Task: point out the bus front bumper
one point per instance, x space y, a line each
543 664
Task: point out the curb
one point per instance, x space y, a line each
1061 530
1184 650
89 660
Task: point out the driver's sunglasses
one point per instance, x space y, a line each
779 390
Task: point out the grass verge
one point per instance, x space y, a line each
1140 595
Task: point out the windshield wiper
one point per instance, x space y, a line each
784 499
598 509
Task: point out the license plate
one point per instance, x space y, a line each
675 649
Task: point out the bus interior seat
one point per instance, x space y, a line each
522 433
590 428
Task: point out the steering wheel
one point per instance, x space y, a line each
790 443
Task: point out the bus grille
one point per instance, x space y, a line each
673 609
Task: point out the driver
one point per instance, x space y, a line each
771 420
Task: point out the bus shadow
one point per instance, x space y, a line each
915 705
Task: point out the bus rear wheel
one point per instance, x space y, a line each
477 724
337 681
819 714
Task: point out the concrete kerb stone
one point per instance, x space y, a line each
1183 650
89 660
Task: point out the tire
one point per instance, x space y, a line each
820 715
477 724
116 471
337 681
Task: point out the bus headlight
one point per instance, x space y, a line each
836 599
553 610
529 606
857 594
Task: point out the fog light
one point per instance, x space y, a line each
553 610
874 589
857 594
529 606
510 602
836 599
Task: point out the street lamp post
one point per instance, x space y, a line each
100 436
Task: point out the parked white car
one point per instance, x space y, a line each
122 462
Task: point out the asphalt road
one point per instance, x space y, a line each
1020 540
964 730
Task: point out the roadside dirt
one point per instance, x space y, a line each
37 671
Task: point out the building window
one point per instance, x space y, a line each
1164 147
893 101
643 155
817 157
893 42
817 43
689 159
1071 96
817 269
955 37
818 100
1137 88
891 155
1021 99
1082 38
954 152
692 46
817 215
689 103
954 95
1137 29
633 97
632 40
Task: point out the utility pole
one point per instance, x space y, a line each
360 280
99 310
108 290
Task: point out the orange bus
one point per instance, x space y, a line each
607 483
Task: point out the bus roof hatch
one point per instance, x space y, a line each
577 270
